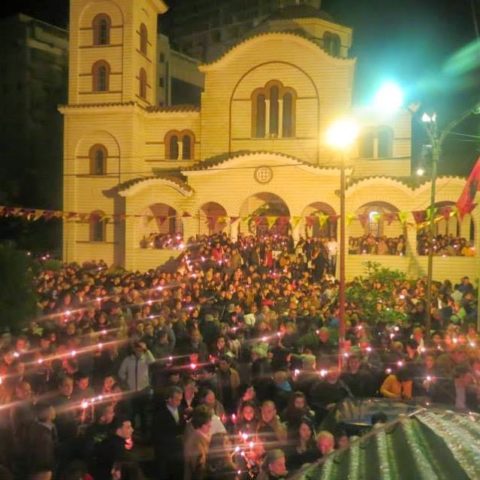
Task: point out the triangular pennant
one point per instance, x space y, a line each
211 222
310 220
402 217
323 218
419 216
234 219
350 218
363 217
186 214
389 217
271 221
295 221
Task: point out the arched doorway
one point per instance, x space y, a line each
377 229
212 218
319 220
264 214
158 223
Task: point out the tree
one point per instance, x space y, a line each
17 297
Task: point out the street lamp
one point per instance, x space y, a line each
436 139
340 136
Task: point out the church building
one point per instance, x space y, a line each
253 157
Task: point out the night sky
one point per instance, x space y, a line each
417 43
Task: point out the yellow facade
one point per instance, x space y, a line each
256 140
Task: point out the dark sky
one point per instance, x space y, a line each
422 44
406 40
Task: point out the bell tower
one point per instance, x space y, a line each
113 53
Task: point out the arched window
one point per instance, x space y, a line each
367 144
173 147
100 76
187 147
385 142
142 79
288 119
143 38
98 160
259 109
331 43
274 110
280 103
101 29
98 226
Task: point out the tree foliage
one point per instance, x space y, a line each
373 294
17 297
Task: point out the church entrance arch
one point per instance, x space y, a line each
319 220
264 214
212 218
159 226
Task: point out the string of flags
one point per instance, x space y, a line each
420 217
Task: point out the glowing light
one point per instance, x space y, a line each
296 372
389 97
342 133
73 353
368 349
400 363
84 404
193 366
323 372
388 371
244 437
426 118
420 171
16 354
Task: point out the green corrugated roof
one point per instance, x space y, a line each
427 445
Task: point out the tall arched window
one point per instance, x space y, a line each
331 43
288 118
367 144
100 76
274 110
98 160
142 80
187 147
143 38
173 147
98 226
385 142
101 29
281 104
259 108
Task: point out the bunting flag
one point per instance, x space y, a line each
419 216
295 221
363 217
446 212
430 212
350 218
323 218
403 217
465 202
390 217
271 221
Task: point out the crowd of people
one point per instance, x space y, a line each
223 365
445 245
163 241
377 245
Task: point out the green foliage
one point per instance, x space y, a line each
17 298
373 295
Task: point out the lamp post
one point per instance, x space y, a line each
436 139
340 136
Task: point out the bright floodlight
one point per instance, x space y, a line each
426 118
420 171
389 97
342 133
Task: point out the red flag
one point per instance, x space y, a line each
465 202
